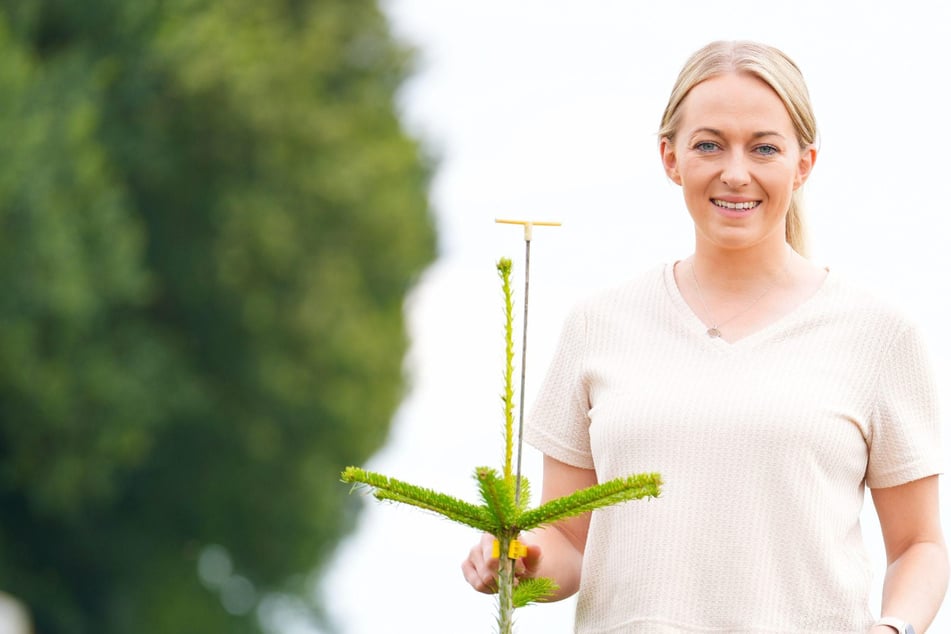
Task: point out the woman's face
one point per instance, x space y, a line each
738 159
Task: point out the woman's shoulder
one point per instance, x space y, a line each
635 303
863 306
647 286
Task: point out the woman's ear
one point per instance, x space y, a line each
668 157
807 161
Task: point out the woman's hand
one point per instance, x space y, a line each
481 569
563 543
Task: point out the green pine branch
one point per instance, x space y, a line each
533 591
594 497
498 495
387 488
504 269
526 499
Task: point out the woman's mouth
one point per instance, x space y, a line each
743 206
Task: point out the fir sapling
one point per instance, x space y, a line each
504 511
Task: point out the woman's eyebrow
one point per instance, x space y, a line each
713 131
719 133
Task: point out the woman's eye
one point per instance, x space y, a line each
706 146
766 150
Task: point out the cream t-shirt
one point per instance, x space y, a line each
765 446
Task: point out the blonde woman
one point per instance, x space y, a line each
767 391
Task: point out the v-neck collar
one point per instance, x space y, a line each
695 324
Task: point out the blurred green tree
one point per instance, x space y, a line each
210 217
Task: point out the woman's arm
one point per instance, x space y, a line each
555 551
917 574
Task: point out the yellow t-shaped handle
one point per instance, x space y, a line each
528 224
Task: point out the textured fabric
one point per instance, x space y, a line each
765 446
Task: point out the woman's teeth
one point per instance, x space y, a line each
728 205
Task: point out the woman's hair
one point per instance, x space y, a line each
781 74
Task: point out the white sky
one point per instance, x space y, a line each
546 109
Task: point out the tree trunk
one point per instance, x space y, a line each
506 587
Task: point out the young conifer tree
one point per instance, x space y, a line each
505 511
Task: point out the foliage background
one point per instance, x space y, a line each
210 216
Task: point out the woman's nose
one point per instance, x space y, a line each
735 172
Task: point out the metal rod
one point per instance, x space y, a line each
527 224
521 393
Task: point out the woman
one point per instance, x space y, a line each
765 390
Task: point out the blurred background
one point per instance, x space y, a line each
244 244
210 216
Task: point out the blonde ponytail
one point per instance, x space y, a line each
796 234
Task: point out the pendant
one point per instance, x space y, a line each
713 331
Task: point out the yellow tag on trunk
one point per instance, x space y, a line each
517 549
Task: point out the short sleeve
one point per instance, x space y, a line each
558 423
904 443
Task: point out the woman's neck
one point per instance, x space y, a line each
740 270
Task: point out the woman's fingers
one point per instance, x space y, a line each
481 567
527 565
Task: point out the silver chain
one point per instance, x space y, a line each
714 329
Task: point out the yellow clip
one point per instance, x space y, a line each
517 549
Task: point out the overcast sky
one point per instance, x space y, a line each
547 109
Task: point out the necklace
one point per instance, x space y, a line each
714 329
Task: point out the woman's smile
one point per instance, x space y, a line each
735 209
